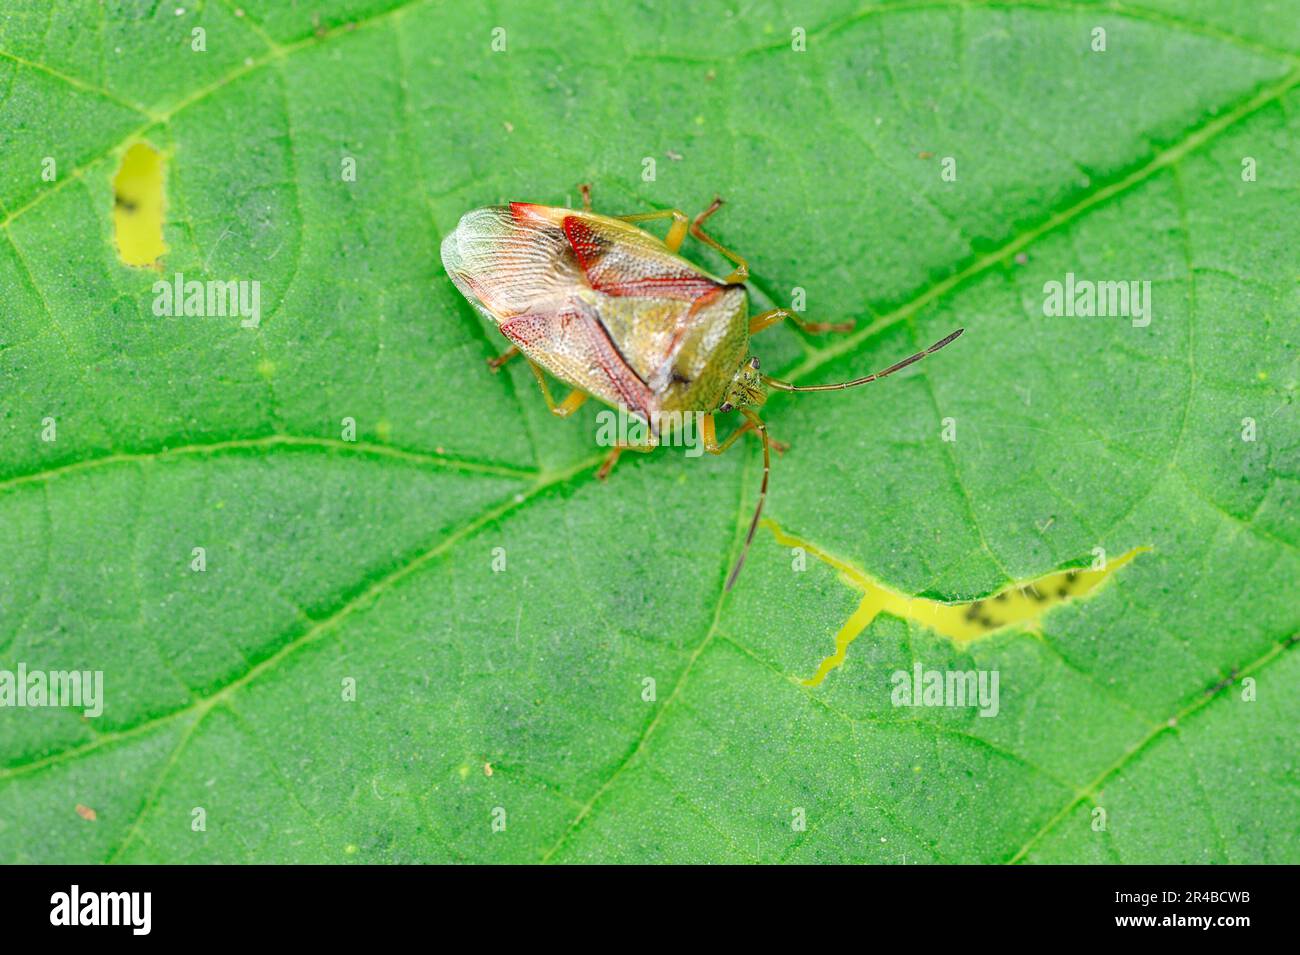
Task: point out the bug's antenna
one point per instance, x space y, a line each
762 496
898 366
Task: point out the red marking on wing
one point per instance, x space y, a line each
524 330
573 332
713 292
613 272
525 210
586 246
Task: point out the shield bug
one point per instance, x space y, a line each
615 313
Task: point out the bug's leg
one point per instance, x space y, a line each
566 407
711 437
761 428
769 318
501 359
607 465
569 405
741 271
585 190
611 459
676 232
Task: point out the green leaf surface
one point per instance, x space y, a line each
521 694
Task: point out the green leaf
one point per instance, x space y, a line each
1165 699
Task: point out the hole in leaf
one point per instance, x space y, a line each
138 207
1018 604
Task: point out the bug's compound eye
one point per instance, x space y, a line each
753 363
726 406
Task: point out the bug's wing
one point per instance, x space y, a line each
656 302
516 265
601 304
509 262
574 345
621 260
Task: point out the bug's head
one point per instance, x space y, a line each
746 389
